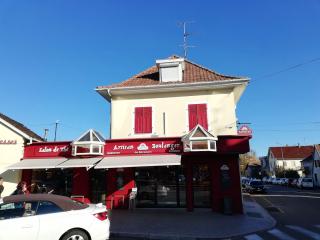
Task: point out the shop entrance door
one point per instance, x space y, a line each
201 186
160 186
98 185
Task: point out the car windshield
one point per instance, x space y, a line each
256 183
307 180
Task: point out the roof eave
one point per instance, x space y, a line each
19 132
108 92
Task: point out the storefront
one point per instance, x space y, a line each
164 173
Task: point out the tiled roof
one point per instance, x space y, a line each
21 127
191 74
292 152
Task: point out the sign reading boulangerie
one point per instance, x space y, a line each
143 146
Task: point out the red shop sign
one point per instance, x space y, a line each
48 150
143 147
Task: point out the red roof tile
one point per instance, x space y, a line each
21 127
191 74
292 152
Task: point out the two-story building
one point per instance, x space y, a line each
174 142
288 158
174 136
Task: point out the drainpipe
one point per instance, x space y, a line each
110 119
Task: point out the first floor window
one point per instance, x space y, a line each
198 115
143 120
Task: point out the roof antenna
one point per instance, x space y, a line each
186 34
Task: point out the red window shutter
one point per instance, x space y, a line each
147 119
202 115
192 109
138 120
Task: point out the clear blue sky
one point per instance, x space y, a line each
54 53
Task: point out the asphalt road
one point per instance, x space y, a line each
297 213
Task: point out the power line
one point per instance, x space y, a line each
288 68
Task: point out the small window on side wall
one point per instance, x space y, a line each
142 120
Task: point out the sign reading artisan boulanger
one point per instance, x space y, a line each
143 147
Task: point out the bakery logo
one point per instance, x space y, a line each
142 147
244 130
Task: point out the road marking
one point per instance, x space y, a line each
253 237
281 235
271 204
304 231
290 196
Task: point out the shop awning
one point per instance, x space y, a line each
37 163
79 162
139 161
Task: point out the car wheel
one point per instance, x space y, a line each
75 235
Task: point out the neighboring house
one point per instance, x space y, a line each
264 166
13 137
307 166
288 158
316 165
253 170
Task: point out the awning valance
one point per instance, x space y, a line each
79 162
139 161
37 163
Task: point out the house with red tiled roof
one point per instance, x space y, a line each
288 158
175 125
180 82
13 137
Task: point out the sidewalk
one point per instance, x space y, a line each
179 224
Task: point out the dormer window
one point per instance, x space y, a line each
89 143
171 70
199 139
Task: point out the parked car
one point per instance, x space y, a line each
284 181
255 186
305 183
51 217
276 181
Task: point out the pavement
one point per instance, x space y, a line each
180 224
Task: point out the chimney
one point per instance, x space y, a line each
171 69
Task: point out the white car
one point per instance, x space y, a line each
51 217
305 183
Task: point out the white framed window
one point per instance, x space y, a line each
90 143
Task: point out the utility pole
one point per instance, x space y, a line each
55 130
45 136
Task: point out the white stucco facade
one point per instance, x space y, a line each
316 168
170 112
13 137
285 164
10 154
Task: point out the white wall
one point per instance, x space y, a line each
291 164
316 169
10 154
220 103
